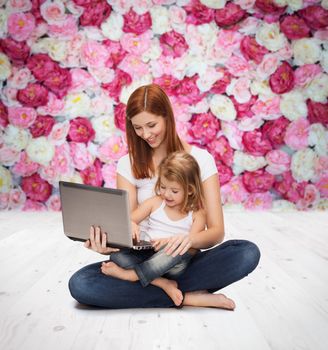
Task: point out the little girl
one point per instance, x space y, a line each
178 208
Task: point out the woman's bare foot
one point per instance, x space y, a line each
170 287
111 269
206 299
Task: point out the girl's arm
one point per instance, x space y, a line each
144 209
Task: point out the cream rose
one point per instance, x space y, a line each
302 165
160 20
5 180
104 127
243 161
77 104
317 90
3 23
306 51
40 150
293 105
270 37
214 4
112 28
318 137
223 108
5 67
262 89
16 138
154 51
75 177
56 48
294 5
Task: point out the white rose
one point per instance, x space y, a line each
112 28
317 89
127 90
324 60
249 25
160 20
243 161
293 105
76 105
306 51
207 79
40 150
239 89
53 11
56 48
142 6
154 51
302 165
121 6
195 65
75 177
318 137
102 74
177 17
3 23
200 107
104 127
295 5
262 89
16 138
281 205
214 4
270 37
223 108
250 124
324 4
5 67
101 104
5 180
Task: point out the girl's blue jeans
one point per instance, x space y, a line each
210 270
149 264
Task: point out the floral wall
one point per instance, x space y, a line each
247 79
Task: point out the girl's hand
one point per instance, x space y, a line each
159 243
135 231
97 242
178 245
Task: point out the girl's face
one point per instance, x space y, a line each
150 127
172 192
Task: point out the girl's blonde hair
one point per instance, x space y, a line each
152 99
182 168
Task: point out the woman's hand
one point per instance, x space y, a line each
97 242
159 243
178 245
135 231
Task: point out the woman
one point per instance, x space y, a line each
151 136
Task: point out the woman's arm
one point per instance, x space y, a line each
123 184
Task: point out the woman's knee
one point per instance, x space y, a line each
251 256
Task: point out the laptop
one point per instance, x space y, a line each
84 206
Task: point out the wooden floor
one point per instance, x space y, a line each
281 305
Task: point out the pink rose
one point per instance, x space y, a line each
18 52
95 13
225 173
61 161
134 66
188 91
121 79
116 53
306 73
288 188
53 12
267 66
22 117
92 175
4 201
42 125
59 81
259 201
19 78
269 7
220 86
112 149
8 155
282 80
278 162
316 17
321 166
310 198
234 191
221 150
80 155
197 13
244 109
173 44
65 29
322 186
204 127
54 107
3 115
229 15
34 95
17 198
258 181
294 27
297 134
251 50
33 206
136 44
21 25
238 66
168 83
119 116
317 112
94 54
275 131
268 108
134 23
24 166
53 203
41 65
256 143
81 80
81 130
36 188
109 175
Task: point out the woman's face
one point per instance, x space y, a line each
150 127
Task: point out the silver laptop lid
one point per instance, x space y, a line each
83 206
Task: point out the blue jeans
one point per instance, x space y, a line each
210 270
149 264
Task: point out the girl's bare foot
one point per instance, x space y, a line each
170 287
111 269
206 299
